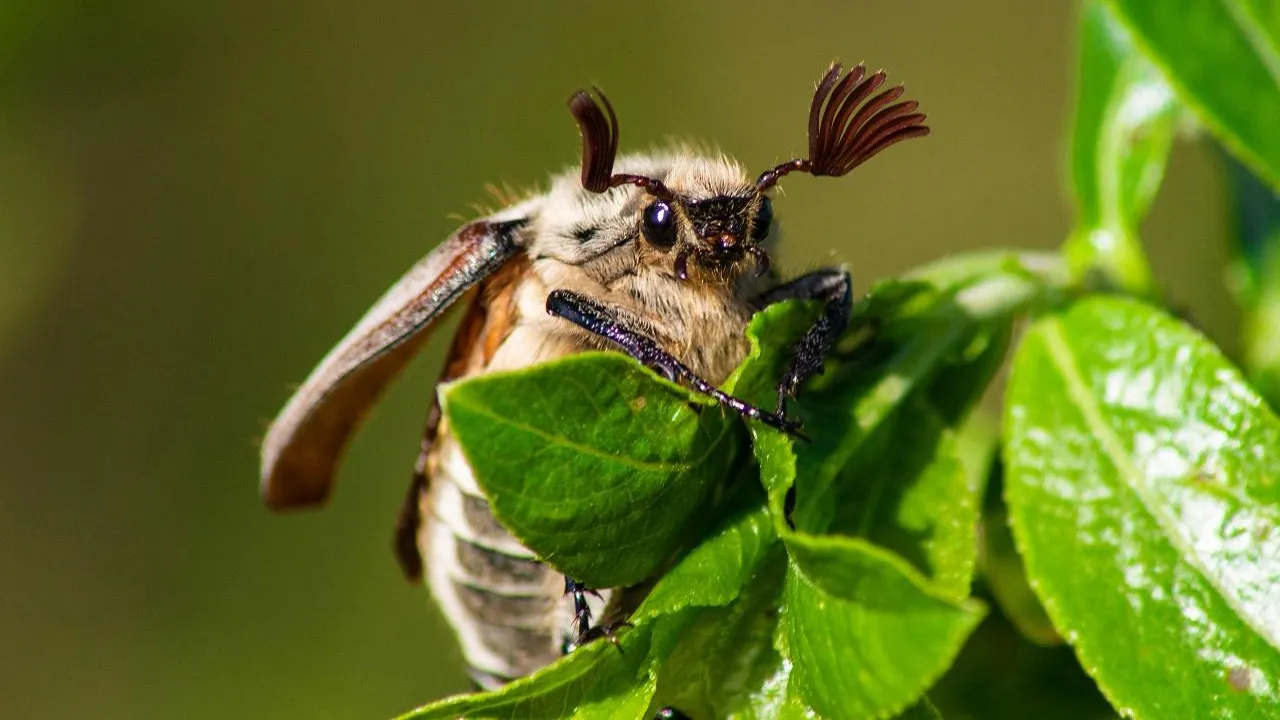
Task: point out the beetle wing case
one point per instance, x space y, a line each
304 442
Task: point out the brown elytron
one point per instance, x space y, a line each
662 256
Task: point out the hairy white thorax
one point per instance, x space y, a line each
590 243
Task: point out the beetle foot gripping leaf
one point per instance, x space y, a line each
834 288
604 631
578 634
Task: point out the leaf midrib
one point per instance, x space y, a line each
1062 357
565 442
1263 45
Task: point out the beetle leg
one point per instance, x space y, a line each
581 613
595 318
606 630
582 631
834 287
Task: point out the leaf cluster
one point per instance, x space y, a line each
1125 501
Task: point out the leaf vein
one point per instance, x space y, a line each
1064 359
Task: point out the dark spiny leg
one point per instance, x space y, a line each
583 631
835 288
604 630
596 318
581 612
410 517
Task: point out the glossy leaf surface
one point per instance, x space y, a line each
1143 479
1125 117
865 633
881 469
1222 57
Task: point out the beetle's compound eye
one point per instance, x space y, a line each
660 224
764 220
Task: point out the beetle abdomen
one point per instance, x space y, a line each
509 610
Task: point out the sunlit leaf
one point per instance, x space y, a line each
907 492
1125 116
726 665
924 330
863 634
1143 480
1222 57
866 634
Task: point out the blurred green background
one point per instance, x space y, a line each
195 204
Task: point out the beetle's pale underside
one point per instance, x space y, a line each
662 256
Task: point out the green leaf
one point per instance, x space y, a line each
1003 568
1006 575
909 487
1222 57
597 680
927 339
772 334
721 660
567 454
923 710
865 633
1142 479
1000 676
726 665
1121 134
854 398
683 614
716 571
887 632
960 383
977 446
906 491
